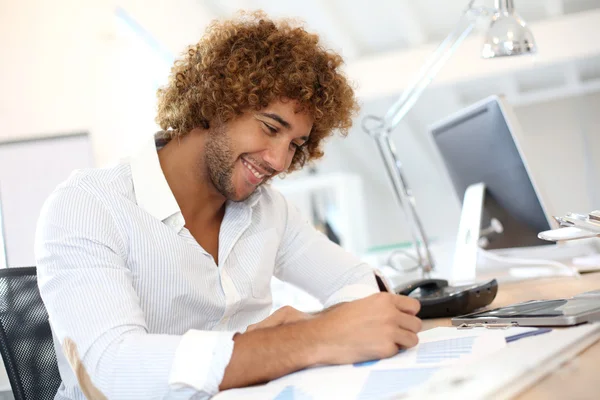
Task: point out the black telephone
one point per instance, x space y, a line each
439 300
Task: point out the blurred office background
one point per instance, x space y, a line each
78 82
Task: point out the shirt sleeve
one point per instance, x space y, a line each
91 302
309 260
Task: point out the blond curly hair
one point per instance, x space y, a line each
245 64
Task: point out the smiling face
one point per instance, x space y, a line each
255 147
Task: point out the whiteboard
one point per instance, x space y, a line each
29 171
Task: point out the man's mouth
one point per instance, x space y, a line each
253 169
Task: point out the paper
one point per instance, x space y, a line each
451 332
438 348
509 334
504 374
383 383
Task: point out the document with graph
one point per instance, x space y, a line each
379 379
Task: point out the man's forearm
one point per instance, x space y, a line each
266 354
371 328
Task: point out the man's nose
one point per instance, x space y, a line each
277 156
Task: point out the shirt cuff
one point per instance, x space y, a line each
200 360
351 293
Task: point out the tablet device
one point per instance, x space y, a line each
562 312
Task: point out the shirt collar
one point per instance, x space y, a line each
253 198
152 192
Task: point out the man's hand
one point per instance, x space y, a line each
289 340
284 315
371 328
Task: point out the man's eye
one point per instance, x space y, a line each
270 128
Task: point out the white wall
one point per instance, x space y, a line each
563 140
56 70
69 66
47 66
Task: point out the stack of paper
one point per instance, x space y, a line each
511 370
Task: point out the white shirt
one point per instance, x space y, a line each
151 313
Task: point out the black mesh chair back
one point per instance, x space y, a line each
25 337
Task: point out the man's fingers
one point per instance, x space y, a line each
405 339
409 322
407 304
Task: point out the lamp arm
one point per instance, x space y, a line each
382 127
433 65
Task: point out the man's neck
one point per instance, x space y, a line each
182 164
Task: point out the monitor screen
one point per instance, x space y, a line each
476 145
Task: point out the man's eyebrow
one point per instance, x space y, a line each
277 118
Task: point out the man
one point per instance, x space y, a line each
156 272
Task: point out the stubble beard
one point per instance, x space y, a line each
220 163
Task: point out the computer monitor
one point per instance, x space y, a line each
480 145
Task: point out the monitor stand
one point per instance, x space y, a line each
485 223
464 265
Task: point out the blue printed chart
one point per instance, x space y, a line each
292 393
444 350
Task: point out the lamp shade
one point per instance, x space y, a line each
508 35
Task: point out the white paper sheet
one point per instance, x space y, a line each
451 332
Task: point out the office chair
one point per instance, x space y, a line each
25 337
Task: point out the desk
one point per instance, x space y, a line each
578 378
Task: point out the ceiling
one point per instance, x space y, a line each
358 28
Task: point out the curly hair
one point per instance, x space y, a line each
245 64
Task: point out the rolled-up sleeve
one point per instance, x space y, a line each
88 291
309 260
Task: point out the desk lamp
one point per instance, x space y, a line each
507 35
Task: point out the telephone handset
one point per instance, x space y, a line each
438 299
424 285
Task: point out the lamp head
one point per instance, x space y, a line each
508 34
